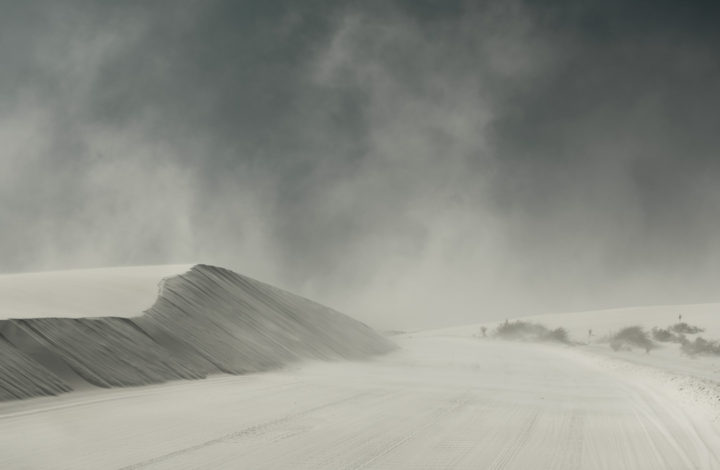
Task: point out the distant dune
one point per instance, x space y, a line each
206 320
606 322
100 292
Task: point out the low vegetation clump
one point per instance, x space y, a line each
525 331
635 337
632 336
700 346
684 328
664 335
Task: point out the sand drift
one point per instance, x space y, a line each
207 320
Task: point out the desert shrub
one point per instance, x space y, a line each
663 335
700 346
686 329
519 330
558 334
666 336
525 331
632 336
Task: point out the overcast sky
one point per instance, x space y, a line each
412 162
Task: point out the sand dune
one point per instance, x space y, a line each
204 321
606 322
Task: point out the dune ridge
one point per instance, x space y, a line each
207 320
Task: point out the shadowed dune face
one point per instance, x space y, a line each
22 377
205 321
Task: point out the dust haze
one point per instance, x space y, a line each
414 164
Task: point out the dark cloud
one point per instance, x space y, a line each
414 162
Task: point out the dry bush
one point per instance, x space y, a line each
525 331
632 336
684 328
700 346
666 335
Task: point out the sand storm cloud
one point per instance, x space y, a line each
397 160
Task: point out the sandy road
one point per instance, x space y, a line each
439 403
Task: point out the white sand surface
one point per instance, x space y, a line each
438 403
102 292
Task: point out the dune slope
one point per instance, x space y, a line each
204 321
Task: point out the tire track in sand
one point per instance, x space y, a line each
251 430
509 452
458 404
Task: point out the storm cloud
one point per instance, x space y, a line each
414 163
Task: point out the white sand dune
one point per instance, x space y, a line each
604 322
204 321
